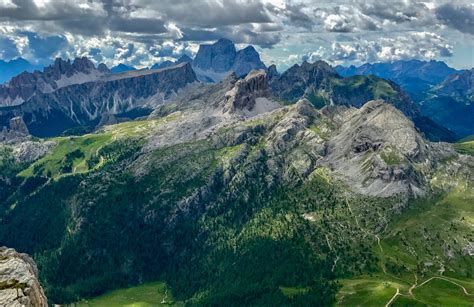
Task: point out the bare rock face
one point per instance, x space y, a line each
379 152
19 285
60 74
28 151
215 62
85 104
15 132
18 125
245 92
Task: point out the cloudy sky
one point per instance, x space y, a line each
144 32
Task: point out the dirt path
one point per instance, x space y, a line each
382 252
448 280
413 286
163 301
393 298
334 264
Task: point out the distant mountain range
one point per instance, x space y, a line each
451 103
60 74
318 82
412 75
442 93
9 69
121 68
183 59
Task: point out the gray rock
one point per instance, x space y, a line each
19 280
215 62
218 57
60 74
245 92
18 125
85 104
376 150
29 151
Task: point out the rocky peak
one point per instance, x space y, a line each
184 59
245 91
19 285
309 73
60 74
294 83
18 125
246 60
215 61
377 149
218 57
272 72
103 68
83 65
65 67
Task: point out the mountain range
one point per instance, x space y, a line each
260 188
70 95
9 69
411 75
441 92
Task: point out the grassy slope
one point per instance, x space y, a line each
465 147
416 245
89 145
150 294
278 222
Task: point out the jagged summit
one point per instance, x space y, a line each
60 74
214 62
243 96
86 103
218 57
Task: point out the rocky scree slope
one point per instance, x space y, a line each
379 151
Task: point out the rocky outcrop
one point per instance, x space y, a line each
19 285
14 131
28 151
378 151
321 84
245 92
294 83
214 62
60 74
85 104
18 125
